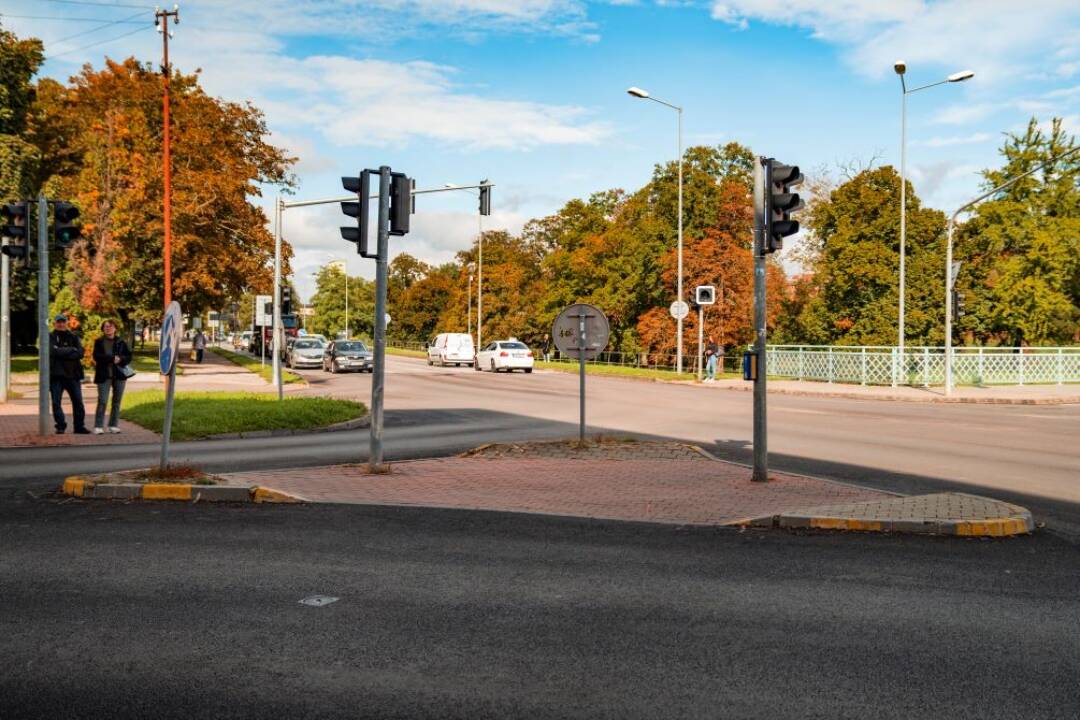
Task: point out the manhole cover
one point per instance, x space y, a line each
318 600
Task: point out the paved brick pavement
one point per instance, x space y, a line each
19 425
658 490
604 449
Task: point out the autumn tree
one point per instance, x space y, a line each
111 120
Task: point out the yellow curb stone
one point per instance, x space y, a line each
74 486
269 495
166 491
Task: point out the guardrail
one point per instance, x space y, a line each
925 365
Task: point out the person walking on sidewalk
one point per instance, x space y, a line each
111 357
712 357
199 344
66 374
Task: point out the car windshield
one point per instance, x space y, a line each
351 347
308 344
513 346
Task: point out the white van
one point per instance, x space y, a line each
451 349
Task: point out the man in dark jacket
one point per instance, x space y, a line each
66 374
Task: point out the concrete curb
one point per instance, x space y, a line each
76 486
1019 521
1068 400
354 424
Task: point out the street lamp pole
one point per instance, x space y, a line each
901 68
644 95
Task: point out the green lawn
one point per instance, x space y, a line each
24 363
143 360
406 353
255 365
625 371
200 414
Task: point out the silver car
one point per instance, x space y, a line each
304 352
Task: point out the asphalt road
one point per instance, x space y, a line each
1027 454
179 611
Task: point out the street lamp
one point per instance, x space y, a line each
644 95
901 67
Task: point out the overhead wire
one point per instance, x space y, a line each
99 42
98 4
101 27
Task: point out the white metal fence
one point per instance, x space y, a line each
882 365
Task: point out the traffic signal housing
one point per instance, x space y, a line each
16 221
485 198
64 230
401 203
286 300
361 185
780 203
958 305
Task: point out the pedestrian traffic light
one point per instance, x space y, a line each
401 203
780 203
16 218
64 231
957 305
485 198
361 185
286 299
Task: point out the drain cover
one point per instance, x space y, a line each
318 600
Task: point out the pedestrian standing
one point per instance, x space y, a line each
545 348
199 343
112 356
65 375
712 356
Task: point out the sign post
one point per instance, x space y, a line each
581 331
167 356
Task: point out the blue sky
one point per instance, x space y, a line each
531 93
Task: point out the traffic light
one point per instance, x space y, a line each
286 299
63 230
16 219
780 203
361 185
957 305
485 198
401 203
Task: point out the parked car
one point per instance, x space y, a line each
508 355
243 341
346 355
451 349
305 352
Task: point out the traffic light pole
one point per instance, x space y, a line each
378 374
43 315
278 344
5 325
761 449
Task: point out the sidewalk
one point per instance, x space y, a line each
991 394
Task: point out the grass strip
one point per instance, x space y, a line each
406 353
201 414
625 371
255 365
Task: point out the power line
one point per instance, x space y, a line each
99 42
100 27
56 17
98 4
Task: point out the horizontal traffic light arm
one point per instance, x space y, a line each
352 198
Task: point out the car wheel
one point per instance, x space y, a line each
334 367
493 368
476 365
528 370
429 361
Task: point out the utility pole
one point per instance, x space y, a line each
5 325
276 359
43 315
161 21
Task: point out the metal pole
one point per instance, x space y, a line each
5 325
582 344
278 344
480 282
347 333
761 451
903 222
679 360
468 312
166 430
949 282
700 348
43 315
375 459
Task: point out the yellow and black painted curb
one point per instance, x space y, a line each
1020 523
77 486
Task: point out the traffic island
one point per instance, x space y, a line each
174 483
936 514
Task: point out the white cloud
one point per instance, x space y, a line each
971 139
995 37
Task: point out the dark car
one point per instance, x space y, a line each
346 355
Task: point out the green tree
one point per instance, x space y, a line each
1021 249
328 304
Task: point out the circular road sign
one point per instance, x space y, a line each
170 337
566 331
679 309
